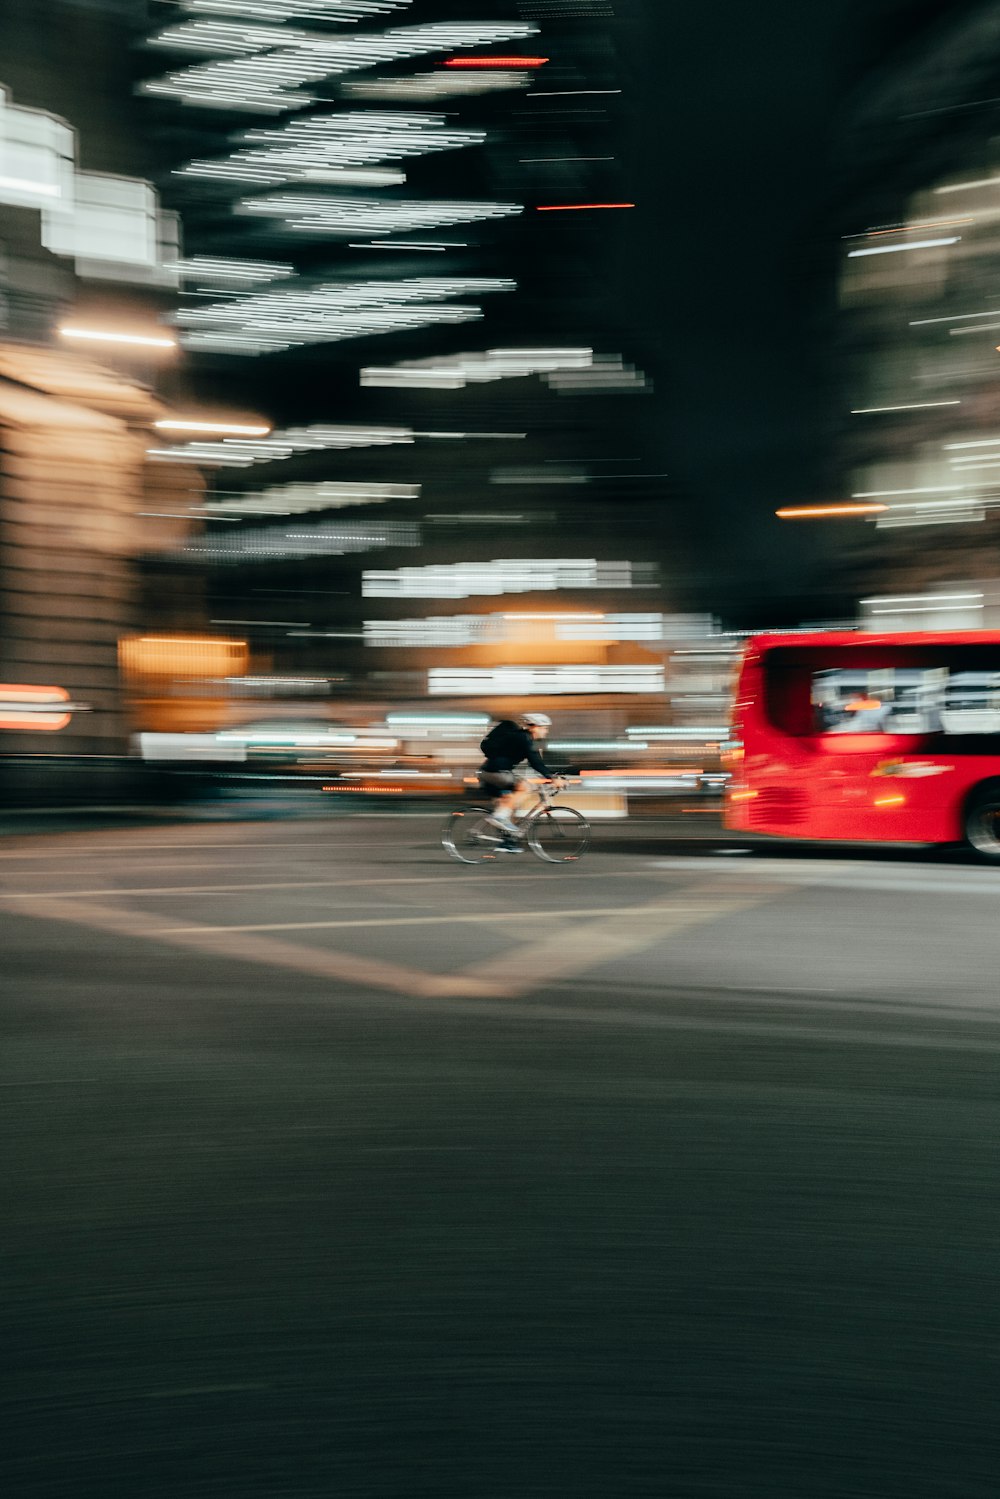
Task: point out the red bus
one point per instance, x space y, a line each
876 738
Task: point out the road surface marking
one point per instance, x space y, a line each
581 943
572 951
450 918
248 947
417 879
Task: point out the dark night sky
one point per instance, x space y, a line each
742 208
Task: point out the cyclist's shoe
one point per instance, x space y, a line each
508 829
508 846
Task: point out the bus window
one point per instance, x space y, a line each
877 700
971 703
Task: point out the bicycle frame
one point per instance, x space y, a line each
545 795
529 828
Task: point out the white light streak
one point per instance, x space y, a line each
872 494
228 429
429 88
247 272
284 319
336 215
608 373
544 681
915 244
301 499
685 733
607 746
515 575
918 609
458 630
908 406
958 317
437 720
961 187
234 452
568 371
325 539
935 518
108 336
272 78
329 147
337 11
925 507
400 244
455 371
921 598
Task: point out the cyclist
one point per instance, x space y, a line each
509 748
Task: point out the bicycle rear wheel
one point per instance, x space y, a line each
559 835
470 837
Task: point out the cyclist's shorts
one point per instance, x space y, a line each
499 782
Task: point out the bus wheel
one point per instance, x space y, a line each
982 823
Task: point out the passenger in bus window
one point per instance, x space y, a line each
864 715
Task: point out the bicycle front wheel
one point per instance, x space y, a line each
470 837
559 835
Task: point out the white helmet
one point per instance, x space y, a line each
538 720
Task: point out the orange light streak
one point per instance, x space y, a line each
809 512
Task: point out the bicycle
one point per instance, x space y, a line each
557 835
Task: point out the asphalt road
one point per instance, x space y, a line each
332 1168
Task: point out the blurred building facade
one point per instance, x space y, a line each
406 225
74 477
398 442
920 326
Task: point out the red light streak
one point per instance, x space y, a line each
578 207
496 62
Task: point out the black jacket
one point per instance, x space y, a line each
516 746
